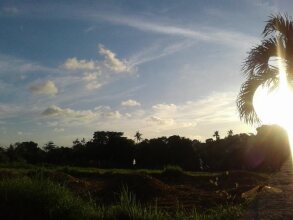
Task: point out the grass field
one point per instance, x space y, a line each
28 192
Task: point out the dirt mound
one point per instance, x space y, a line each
235 179
52 175
145 187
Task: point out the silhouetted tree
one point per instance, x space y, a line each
138 136
209 140
277 42
230 133
265 151
216 135
270 149
30 152
110 149
49 146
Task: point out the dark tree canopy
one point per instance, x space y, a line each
265 151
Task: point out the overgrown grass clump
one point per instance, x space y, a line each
128 208
25 198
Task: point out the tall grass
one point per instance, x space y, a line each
39 198
128 208
25 198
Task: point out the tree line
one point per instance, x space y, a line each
265 151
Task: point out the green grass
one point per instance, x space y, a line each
129 208
25 198
173 171
23 168
39 198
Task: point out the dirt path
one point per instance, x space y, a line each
275 206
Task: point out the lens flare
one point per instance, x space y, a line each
275 107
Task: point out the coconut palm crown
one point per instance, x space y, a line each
277 43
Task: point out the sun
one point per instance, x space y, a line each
276 106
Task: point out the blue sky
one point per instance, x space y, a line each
69 68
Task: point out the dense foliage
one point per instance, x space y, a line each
25 198
266 150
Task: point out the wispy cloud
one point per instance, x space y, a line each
55 115
10 64
56 111
9 10
207 34
158 50
217 110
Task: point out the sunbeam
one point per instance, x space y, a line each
275 107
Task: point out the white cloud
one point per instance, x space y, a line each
59 129
128 115
90 76
191 119
75 64
52 110
113 115
98 72
67 112
44 88
165 107
130 103
161 121
218 107
67 116
112 62
92 80
93 85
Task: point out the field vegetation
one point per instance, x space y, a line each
112 177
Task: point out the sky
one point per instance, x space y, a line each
168 67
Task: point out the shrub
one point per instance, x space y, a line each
25 198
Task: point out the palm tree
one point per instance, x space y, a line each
230 133
258 68
216 135
138 136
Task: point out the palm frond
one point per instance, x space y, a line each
258 58
247 91
279 23
278 42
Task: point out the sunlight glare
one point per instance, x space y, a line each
275 107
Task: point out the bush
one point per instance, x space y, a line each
25 198
173 171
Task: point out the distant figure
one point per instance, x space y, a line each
134 162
